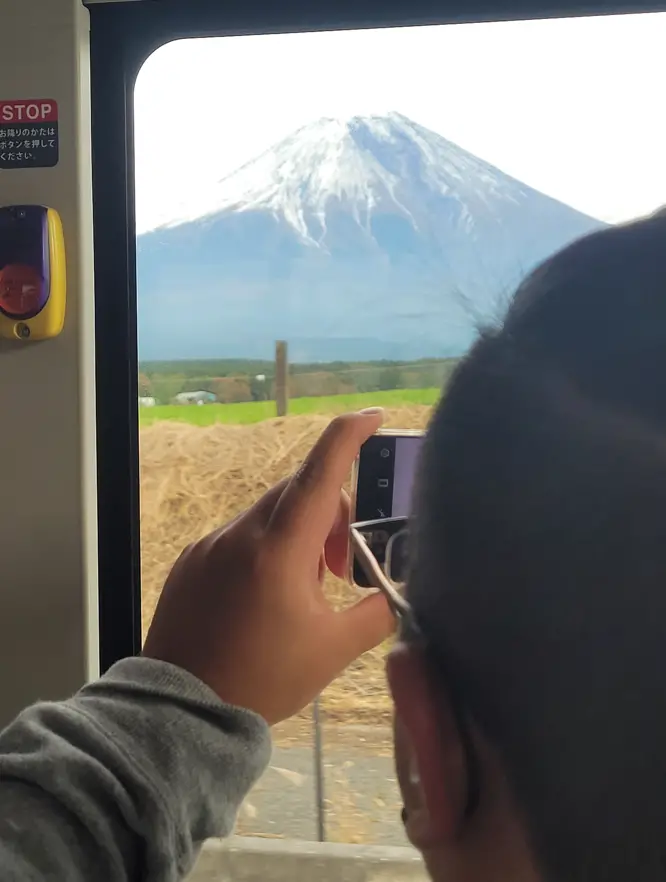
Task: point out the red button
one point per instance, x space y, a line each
20 291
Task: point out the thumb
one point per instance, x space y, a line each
364 626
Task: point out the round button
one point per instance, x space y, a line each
21 291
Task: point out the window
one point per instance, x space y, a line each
372 214
369 197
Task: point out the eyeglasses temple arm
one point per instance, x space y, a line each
376 577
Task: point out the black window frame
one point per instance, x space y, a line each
123 36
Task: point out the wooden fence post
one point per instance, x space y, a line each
281 378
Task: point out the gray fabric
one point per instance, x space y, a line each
125 780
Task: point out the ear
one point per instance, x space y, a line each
430 757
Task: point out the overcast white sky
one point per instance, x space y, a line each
574 107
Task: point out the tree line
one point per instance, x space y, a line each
235 381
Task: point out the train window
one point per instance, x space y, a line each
372 222
319 221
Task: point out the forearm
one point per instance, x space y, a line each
125 780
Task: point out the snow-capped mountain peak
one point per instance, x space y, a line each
357 239
363 164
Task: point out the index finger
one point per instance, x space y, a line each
306 511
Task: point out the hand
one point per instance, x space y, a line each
244 609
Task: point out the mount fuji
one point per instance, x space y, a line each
356 239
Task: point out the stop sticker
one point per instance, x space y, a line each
22 293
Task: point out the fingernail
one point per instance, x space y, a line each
370 411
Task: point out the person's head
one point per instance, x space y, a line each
539 582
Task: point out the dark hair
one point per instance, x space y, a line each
540 551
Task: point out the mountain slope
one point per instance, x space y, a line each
367 238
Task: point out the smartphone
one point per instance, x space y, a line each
382 486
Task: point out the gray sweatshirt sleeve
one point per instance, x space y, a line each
123 782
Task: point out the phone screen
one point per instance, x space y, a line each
404 472
385 475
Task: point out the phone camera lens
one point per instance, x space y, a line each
385 453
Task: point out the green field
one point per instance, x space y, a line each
256 411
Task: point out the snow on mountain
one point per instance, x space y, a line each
362 162
372 223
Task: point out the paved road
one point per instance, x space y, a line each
362 801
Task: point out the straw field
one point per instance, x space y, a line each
193 479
